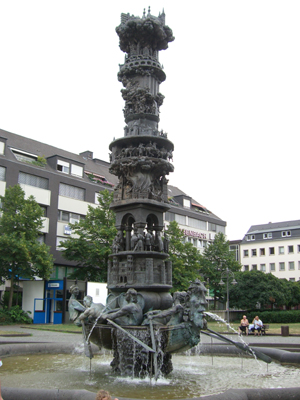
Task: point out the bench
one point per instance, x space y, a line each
264 330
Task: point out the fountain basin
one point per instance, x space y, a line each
193 377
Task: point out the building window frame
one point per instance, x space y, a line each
281 250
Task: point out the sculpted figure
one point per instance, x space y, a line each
75 307
134 240
140 242
172 316
160 244
148 240
166 243
130 314
197 303
118 242
92 311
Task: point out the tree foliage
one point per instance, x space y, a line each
91 244
184 256
266 289
214 261
21 255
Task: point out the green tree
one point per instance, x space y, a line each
91 245
214 261
258 287
21 255
184 256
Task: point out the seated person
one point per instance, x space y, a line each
251 327
257 326
244 325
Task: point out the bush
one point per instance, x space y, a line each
14 315
5 298
275 317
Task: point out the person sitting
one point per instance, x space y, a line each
103 395
244 325
257 326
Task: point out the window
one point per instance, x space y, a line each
212 227
169 216
23 156
267 235
69 217
44 211
246 253
298 264
2 147
196 223
281 250
246 267
76 170
181 219
298 248
291 249
71 191
63 166
292 279
41 239
254 267
281 266
285 233
60 240
2 173
250 237
271 251
291 265
262 252
272 267
254 252
33 180
186 203
263 267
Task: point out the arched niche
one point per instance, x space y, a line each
127 225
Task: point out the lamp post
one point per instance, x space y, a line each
228 274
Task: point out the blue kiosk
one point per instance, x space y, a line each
49 309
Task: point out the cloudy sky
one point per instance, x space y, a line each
232 94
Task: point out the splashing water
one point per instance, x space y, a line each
219 319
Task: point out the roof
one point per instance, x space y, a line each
91 165
272 226
45 150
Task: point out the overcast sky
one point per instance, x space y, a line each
232 93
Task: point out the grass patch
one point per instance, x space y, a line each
67 328
11 333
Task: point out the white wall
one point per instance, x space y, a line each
98 291
42 196
31 291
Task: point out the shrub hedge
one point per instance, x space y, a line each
276 317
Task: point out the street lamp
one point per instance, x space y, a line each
228 274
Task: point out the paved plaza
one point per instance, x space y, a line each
44 336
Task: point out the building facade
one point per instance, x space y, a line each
65 184
272 248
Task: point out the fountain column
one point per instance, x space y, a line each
141 160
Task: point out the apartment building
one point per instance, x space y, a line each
65 184
274 248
